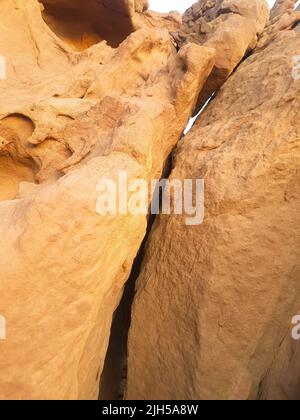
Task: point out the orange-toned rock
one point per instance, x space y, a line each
231 27
283 17
282 381
70 115
214 303
281 7
171 21
81 24
91 88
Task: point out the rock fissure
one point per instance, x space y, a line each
148 307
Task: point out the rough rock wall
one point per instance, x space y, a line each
282 7
81 24
214 303
92 88
231 27
282 381
68 118
283 17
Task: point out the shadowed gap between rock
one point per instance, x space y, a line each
113 378
114 374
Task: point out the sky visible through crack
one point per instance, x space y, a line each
165 6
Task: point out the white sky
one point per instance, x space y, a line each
180 5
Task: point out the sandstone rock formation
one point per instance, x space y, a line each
73 110
213 307
282 7
283 17
282 381
231 27
94 88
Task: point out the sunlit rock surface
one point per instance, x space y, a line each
214 304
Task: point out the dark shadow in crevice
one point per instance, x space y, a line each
114 375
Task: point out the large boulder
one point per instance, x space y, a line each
214 303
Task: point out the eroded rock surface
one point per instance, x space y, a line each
96 87
70 115
231 27
214 303
283 17
282 381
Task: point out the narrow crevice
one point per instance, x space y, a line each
114 375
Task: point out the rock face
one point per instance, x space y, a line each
231 27
282 7
214 303
81 26
283 17
70 115
92 88
282 381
